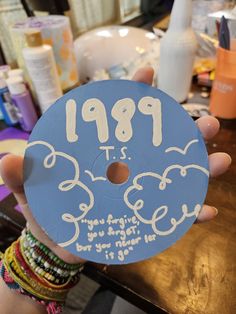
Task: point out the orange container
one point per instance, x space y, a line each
223 94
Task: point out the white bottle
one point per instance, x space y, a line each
177 51
41 66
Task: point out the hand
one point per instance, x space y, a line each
12 173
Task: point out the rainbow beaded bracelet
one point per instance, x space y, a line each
30 268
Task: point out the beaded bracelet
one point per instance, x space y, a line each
47 251
29 284
33 242
32 269
25 266
43 276
43 261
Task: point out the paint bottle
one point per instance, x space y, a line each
25 108
7 106
19 73
41 67
177 51
3 72
4 69
16 73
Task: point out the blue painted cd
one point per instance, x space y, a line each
88 131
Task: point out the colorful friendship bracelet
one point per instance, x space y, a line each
54 257
30 268
52 307
26 267
28 284
44 264
39 275
38 254
43 269
43 275
43 251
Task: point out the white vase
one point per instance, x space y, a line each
177 51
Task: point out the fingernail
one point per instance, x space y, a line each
216 211
230 159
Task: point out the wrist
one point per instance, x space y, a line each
41 235
10 299
31 268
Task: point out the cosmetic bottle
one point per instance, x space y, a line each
41 67
25 108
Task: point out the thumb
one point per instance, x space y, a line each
11 169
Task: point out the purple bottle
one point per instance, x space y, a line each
25 108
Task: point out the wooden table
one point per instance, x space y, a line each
198 273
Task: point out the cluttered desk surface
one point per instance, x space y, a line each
195 275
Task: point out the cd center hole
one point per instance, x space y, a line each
118 172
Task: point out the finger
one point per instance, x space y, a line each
144 75
11 168
219 163
208 126
207 213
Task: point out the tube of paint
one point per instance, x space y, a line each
7 107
